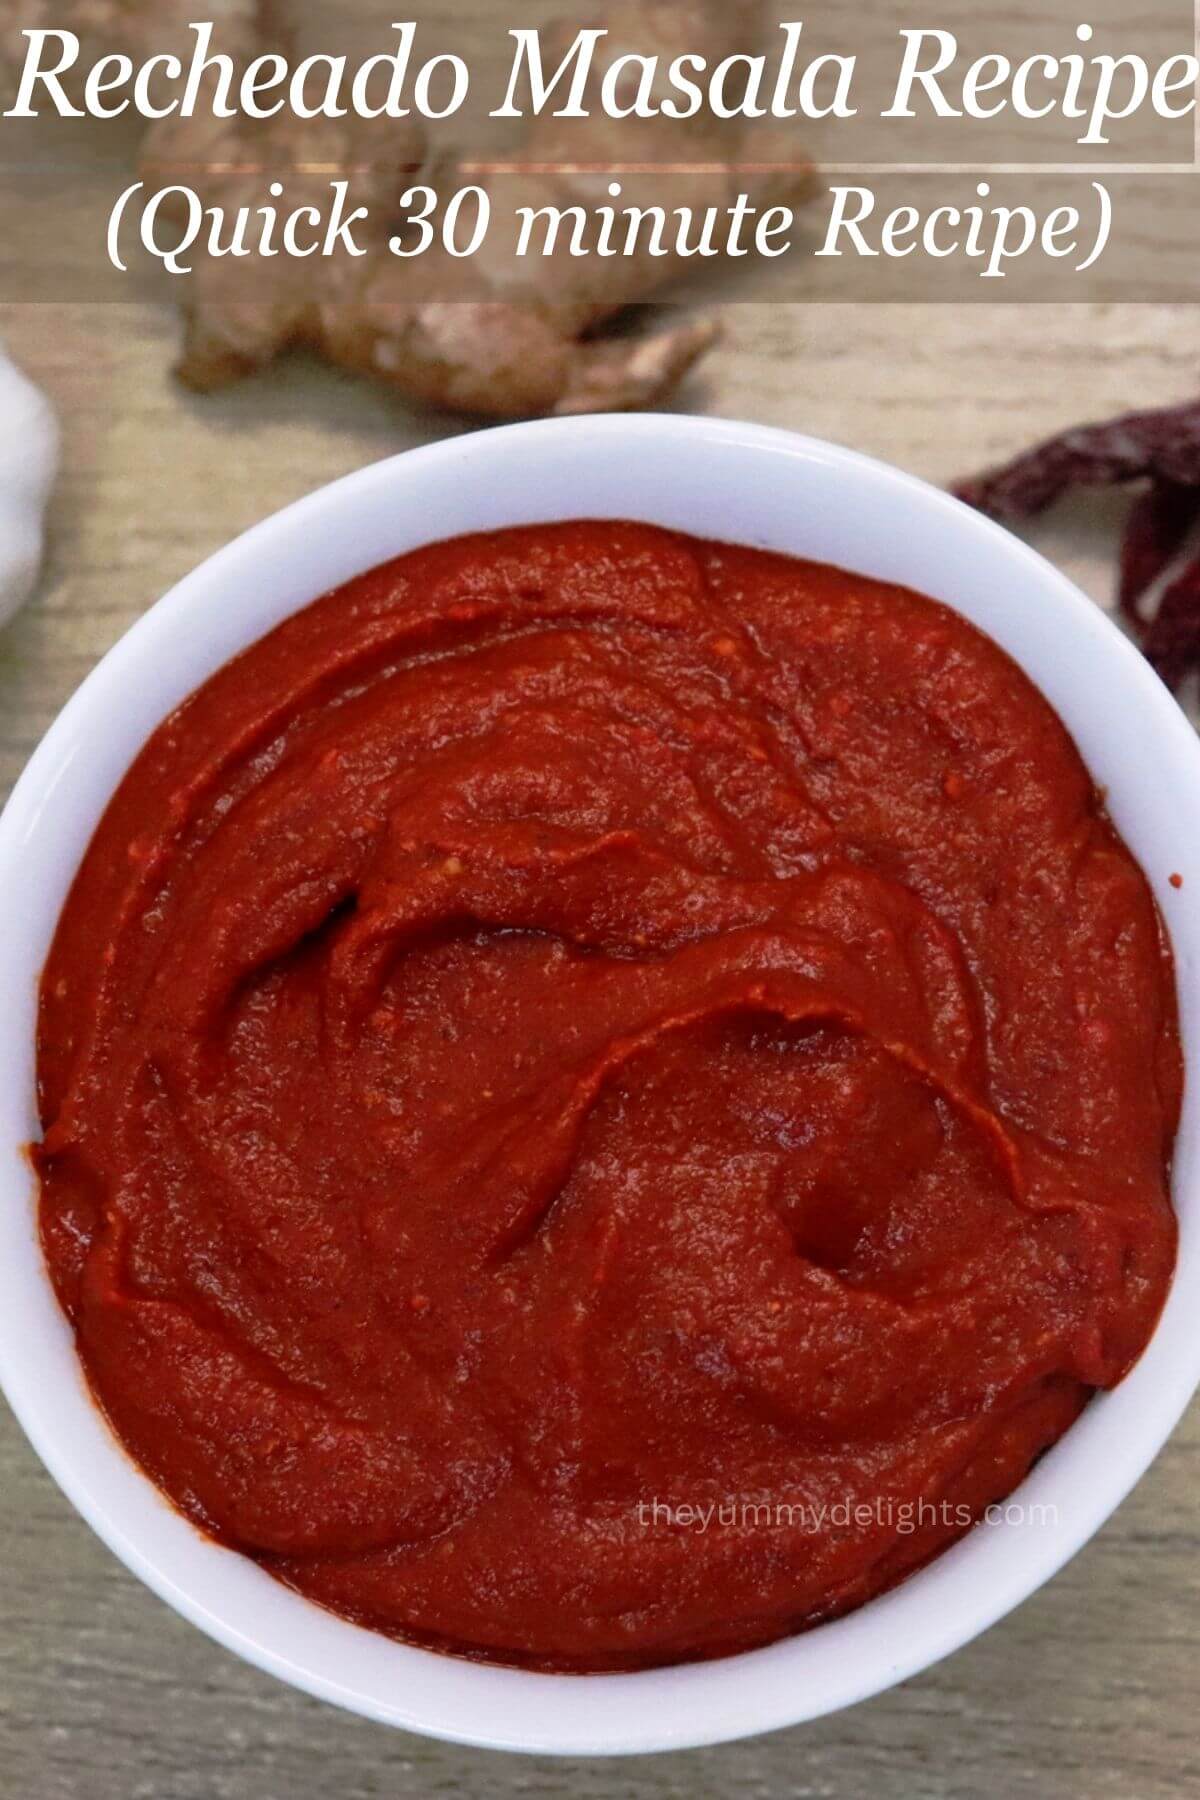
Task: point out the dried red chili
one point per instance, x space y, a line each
1159 448
1158 523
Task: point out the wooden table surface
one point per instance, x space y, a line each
1091 1688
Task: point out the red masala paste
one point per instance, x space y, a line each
584 1024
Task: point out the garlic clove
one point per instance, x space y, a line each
29 445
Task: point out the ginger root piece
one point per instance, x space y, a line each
487 334
490 334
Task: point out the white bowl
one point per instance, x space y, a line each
709 477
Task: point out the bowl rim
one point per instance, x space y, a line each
682 1706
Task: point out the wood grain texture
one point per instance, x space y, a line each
1090 1690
